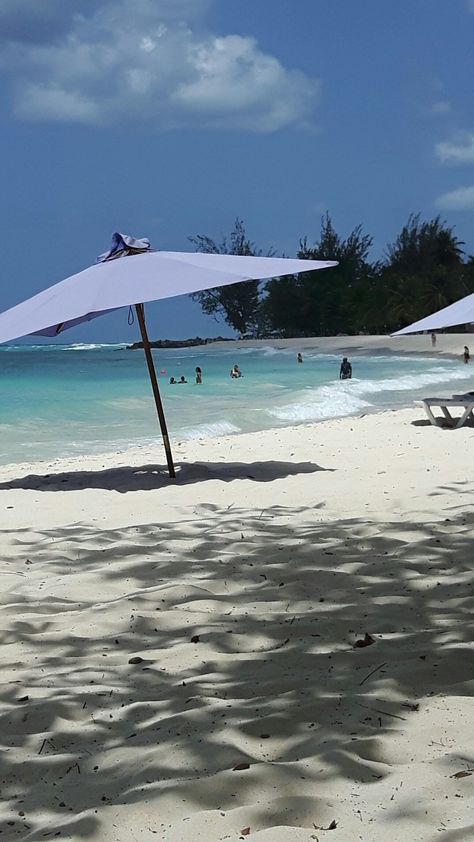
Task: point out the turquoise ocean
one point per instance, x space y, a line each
70 400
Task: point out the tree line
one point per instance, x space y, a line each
424 269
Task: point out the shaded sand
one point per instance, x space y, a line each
275 552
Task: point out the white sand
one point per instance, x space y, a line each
447 344
279 550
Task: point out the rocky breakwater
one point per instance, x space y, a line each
179 343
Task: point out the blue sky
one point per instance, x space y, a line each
168 118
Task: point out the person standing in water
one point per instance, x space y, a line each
198 375
466 355
299 358
433 339
235 372
345 372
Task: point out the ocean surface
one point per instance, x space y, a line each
60 401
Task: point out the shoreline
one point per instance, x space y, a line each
261 460
134 453
193 458
447 344
420 346
153 453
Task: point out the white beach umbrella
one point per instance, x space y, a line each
140 275
459 313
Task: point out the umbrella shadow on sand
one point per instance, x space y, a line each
182 669
152 477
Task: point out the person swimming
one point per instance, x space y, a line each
172 381
345 372
182 379
235 372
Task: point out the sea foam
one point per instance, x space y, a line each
348 397
207 431
407 382
325 402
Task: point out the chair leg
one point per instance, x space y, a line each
448 415
462 420
430 415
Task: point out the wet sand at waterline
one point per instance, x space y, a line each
181 659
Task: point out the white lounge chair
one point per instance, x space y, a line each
465 402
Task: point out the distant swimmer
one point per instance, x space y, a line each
345 372
433 339
198 375
235 372
299 358
172 381
182 379
466 355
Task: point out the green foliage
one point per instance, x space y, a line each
422 247
329 301
423 270
238 304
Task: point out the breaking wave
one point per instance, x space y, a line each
350 396
325 402
207 431
92 346
407 382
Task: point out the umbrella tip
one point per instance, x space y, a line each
124 245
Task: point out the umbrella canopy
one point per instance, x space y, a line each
136 279
459 313
130 274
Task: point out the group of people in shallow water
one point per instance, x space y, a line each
345 372
174 382
235 372
182 379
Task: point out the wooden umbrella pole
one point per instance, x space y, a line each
140 311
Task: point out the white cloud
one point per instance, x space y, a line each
50 100
231 77
117 60
457 200
457 153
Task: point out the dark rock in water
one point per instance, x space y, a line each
136 660
180 343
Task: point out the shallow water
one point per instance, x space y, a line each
68 400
